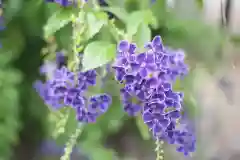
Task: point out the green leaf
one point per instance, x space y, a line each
143 129
58 20
143 35
14 34
10 77
4 60
115 3
64 36
33 16
138 17
144 4
121 13
104 34
12 8
95 23
102 153
159 9
50 9
97 54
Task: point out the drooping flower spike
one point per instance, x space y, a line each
148 78
66 88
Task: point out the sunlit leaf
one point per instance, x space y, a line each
58 20
143 35
159 9
138 17
145 4
97 54
95 23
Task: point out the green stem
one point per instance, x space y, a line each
159 150
70 144
60 124
74 40
78 29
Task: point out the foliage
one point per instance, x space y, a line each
136 21
9 80
9 126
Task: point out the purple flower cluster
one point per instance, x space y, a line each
66 3
67 88
147 80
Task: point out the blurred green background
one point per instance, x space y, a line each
24 124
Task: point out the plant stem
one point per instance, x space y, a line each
159 150
70 144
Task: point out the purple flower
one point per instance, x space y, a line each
74 98
86 79
84 116
156 122
99 103
185 141
131 108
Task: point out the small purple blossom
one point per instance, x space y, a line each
99 103
185 141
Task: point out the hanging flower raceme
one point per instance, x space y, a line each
147 80
67 88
